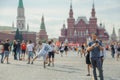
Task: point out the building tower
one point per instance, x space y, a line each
93 21
70 22
20 16
113 36
63 31
43 34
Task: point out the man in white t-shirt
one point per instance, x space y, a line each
46 48
30 48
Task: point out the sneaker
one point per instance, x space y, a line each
44 66
88 74
28 63
49 64
31 62
53 64
20 59
8 63
1 61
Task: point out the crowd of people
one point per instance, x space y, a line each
19 50
94 52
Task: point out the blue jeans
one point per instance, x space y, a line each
96 63
6 53
30 54
2 55
113 54
18 51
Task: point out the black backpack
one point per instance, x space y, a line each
118 49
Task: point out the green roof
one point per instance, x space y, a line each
42 27
20 4
114 30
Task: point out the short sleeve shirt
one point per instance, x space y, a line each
30 47
95 53
45 49
6 46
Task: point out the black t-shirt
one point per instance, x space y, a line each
112 48
83 47
6 46
18 45
14 47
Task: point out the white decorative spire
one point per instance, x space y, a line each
93 4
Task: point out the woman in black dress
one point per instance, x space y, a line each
88 63
66 49
14 49
61 49
83 50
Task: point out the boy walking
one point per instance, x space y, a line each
30 48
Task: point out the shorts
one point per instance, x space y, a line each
23 51
6 53
61 51
51 54
30 54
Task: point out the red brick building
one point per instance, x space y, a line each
77 31
8 32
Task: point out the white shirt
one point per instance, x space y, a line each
103 53
45 49
62 47
52 46
30 47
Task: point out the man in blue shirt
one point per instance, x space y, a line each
94 47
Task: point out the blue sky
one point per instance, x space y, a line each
56 12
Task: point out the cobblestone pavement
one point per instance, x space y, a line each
71 67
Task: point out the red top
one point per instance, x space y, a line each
23 46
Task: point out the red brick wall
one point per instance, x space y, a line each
26 36
4 36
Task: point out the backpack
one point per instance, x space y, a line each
23 46
118 49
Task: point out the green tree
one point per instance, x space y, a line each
20 36
17 37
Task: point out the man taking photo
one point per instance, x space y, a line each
95 46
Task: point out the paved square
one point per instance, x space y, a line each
71 67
